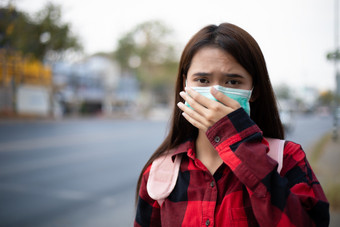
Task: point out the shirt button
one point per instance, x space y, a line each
207 223
212 184
217 139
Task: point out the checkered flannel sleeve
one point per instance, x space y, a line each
292 198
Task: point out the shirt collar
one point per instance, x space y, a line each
186 147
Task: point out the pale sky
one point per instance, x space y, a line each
294 35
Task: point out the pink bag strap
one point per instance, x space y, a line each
164 170
276 147
163 176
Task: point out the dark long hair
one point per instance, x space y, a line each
243 47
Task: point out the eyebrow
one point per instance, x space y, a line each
231 75
202 74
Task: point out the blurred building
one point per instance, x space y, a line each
25 85
94 85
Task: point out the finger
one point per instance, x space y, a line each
199 102
227 101
212 112
194 122
193 103
193 114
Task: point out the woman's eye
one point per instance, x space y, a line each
203 81
233 82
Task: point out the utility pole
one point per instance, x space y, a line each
335 56
337 76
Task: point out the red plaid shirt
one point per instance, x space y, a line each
246 190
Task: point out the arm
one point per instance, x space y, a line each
293 199
148 210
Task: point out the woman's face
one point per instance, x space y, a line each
212 66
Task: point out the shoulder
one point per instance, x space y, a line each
165 161
147 171
294 150
293 155
145 177
163 175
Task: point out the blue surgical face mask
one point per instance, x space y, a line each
240 95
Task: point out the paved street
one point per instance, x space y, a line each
307 129
83 172
74 172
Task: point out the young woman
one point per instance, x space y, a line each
221 133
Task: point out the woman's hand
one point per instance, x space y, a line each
206 112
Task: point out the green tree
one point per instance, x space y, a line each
333 56
43 36
148 52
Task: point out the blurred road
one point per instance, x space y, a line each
84 172
73 172
307 129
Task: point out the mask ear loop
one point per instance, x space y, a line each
251 92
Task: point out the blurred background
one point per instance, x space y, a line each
86 93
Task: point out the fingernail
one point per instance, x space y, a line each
182 93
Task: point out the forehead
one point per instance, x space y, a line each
209 57
215 60
211 51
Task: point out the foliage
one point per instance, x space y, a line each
148 52
333 55
43 36
327 98
19 69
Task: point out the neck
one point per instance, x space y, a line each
206 153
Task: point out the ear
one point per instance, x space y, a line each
254 95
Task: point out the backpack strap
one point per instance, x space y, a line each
163 176
276 147
164 170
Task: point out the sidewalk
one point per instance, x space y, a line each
325 161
